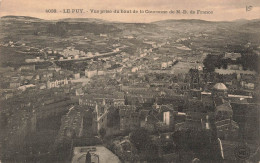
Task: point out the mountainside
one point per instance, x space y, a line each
98 35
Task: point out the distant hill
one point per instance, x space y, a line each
20 17
182 21
89 20
84 34
241 20
252 24
168 21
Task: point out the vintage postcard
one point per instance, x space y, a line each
125 81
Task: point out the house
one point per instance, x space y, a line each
26 77
234 67
194 121
119 102
90 73
151 122
101 72
42 86
27 68
129 117
146 100
76 57
77 75
233 56
54 68
177 100
24 87
116 50
134 69
230 71
87 101
14 84
57 83
189 125
168 118
164 65
37 59
247 85
250 86
89 54
47 74
129 37
102 35
132 99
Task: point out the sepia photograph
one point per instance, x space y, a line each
130 81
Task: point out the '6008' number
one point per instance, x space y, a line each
50 10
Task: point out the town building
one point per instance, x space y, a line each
129 118
57 83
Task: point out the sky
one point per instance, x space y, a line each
223 10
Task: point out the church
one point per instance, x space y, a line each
216 104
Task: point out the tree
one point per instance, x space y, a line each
147 149
102 133
151 152
140 138
209 63
202 143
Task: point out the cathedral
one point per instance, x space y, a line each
225 126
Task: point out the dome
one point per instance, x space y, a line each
220 86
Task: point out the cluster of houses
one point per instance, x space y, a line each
122 96
127 108
156 109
